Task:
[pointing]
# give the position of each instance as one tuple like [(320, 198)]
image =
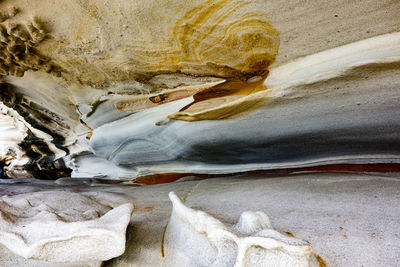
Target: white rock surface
[(63, 226), (195, 238), (12, 133), (350, 219)]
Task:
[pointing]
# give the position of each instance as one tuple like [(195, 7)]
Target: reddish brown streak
[(345, 168)]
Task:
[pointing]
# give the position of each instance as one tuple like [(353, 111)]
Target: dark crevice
[(2, 165), (42, 164)]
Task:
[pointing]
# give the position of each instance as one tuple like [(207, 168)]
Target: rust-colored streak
[(343, 168), (148, 208), (359, 168), (89, 136), (162, 241), (229, 88), (95, 105), (289, 234), (320, 260), (159, 178)]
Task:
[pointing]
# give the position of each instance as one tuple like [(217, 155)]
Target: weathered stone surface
[(349, 219), (195, 238), (120, 59), (62, 226), (121, 89), (332, 107)]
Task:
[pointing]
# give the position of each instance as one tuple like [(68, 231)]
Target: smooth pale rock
[(89, 165), (195, 238), (12, 133), (63, 226)]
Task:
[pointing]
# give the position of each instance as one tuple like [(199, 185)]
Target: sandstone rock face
[(219, 86), (62, 226), (303, 120), (117, 90)]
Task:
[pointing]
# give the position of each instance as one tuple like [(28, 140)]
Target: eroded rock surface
[(331, 67), (63, 226), (349, 219), (337, 106), (195, 238)]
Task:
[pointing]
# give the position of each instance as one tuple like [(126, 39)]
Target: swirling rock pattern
[(205, 38), (189, 48), (304, 120), (88, 64)]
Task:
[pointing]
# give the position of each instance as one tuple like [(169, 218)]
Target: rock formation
[(117, 65), (195, 238), (288, 130), (349, 219), (62, 226), (129, 92)]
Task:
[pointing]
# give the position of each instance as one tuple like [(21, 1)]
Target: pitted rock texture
[(17, 48)]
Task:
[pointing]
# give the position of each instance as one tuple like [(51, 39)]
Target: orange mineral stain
[(224, 100), (289, 234), (320, 260), (148, 208)]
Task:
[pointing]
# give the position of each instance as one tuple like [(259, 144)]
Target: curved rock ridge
[(195, 238), (13, 132), (333, 107), (308, 70), (63, 226)]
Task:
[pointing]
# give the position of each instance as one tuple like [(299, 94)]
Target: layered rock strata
[(143, 87)]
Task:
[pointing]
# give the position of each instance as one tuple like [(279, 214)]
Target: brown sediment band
[(382, 168)]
